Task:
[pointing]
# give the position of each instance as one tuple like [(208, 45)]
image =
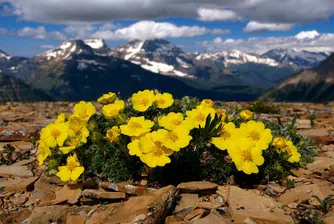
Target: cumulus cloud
[(217, 15), (40, 33), (307, 34), (256, 27), (151, 30), (264, 11), (79, 31), (316, 43)]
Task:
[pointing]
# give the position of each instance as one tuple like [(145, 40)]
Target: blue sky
[(29, 27)]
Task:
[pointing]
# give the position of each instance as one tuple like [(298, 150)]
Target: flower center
[(71, 165), (135, 125), (161, 101), (144, 101), (172, 136), (246, 155), (157, 149), (200, 117), (176, 122), (224, 134), (254, 135), (55, 133)]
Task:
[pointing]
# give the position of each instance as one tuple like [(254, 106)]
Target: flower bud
[(246, 115)]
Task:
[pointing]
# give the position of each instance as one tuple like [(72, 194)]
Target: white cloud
[(47, 46), (79, 31), (151, 30), (307, 34), (217, 15), (264, 11), (40, 33), (220, 31), (322, 42), (256, 27)]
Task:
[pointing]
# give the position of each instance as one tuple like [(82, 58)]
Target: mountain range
[(314, 85), (83, 70)]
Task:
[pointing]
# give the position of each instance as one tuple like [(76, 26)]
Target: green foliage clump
[(262, 107)]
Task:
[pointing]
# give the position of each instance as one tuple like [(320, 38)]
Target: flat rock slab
[(102, 194), (15, 171), (188, 201), (54, 214), (213, 217), (16, 185), (198, 187), (321, 164), (293, 197), (126, 188), (141, 209), (21, 145), (314, 132), (245, 205), (70, 193)]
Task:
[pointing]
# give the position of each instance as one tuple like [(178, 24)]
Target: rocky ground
[(28, 196)]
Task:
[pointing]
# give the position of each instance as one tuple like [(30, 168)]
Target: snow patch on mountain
[(84, 64), (236, 57), (182, 63), (3, 55), (134, 50), (95, 43)]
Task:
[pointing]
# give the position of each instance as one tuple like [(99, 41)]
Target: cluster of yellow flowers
[(154, 141), (67, 135)]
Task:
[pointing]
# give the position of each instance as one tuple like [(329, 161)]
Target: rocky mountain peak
[(4, 55), (66, 49), (99, 46)]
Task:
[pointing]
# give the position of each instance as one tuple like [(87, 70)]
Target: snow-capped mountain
[(99, 46), (316, 84), (65, 50), (235, 57), (8, 63), (295, 58), (4, 55), (158, 56)]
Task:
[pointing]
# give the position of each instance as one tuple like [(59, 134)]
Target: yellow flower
[(246, 156), (197, 117), (226, 138), (54, 134), (44, 152), (175, 139), (60, 119), (107, 98), (173, 120), (113, 134), (293, 152), (136, 126), (221, 113), (150, 150), (279, 142), (256, 132), (207, 103), (142, 100), (78, 128), (72, 170), (163, 100), (84, 111), (112, 110), (71, 144), (246, 115)]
